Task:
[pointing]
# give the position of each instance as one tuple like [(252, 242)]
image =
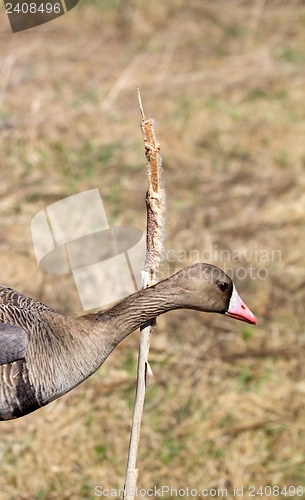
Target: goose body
[(43, 354)]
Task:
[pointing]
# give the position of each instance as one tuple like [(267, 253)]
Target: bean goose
[(44, 354)]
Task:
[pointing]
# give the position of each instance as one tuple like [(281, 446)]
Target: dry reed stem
[(154, 247), (255, 19), (122, 81), (5, 75)]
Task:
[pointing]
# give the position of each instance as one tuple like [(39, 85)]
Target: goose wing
[(17, 315), (12, 343)]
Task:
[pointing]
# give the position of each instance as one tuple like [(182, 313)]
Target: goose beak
[(237, 309)]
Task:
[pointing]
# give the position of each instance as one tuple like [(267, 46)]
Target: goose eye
[(223, 286)]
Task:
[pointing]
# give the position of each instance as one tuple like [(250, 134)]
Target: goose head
[(207, 288)]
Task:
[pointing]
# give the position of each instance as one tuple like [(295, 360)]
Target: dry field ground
[(225, 82)]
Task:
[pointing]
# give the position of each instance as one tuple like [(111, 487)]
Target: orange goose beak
[(237, 309)]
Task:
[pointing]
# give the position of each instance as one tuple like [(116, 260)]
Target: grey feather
[(13, 342)]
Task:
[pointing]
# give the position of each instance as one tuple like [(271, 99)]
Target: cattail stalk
[(155, 206)]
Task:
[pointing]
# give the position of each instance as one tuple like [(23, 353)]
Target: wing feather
[(13, 342), (17, 315)]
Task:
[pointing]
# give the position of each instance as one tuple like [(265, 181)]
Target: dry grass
[(226, 82)]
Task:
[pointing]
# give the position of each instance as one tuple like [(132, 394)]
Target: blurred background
[(225, 83)]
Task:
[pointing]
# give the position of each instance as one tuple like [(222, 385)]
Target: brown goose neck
[(136, 309)]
